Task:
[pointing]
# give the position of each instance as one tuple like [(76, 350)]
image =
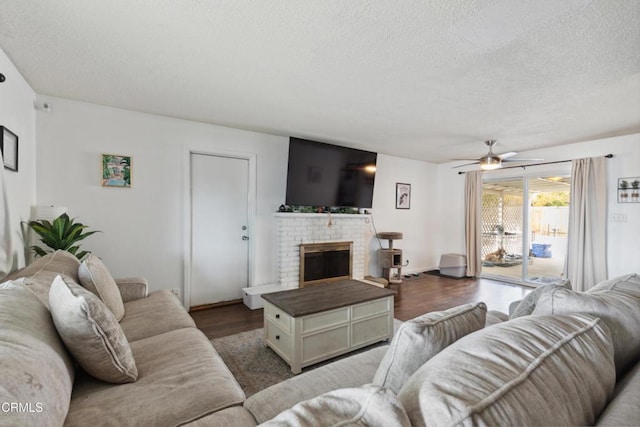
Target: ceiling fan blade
[(515, 159), (506, 155), (466, 164)]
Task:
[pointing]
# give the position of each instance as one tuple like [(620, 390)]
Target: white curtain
[(473, 222), (586, 262), (6, 251)]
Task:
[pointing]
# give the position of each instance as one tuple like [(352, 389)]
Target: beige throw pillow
[(419, 339), (94, 276), (364, 406), (618, 307), (529, 371), (91, 333)]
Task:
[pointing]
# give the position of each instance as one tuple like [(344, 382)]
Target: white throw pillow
[(367, 406), (12, 284), (91, 333), (95, 276), (419, 339)]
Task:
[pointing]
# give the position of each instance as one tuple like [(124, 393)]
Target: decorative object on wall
[(403, 196), (116, 171), (9, 148), (629, 190)]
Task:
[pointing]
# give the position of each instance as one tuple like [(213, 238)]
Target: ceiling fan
[(491, 161)]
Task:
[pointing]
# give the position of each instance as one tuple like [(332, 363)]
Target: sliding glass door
[(524, 224)]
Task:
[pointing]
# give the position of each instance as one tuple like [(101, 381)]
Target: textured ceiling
[(420, 79)]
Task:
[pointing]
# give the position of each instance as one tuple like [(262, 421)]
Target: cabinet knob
[(277, 337), (277, 316)]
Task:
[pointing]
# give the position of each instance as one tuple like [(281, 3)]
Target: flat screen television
[(327, 175)]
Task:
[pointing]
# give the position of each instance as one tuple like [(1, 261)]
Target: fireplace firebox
[(325, 262)]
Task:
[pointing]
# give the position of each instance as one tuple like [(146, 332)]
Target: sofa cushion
[(95, 276), (419, 339), (368, 405), (91, 333), (39, 275), (618, 307), (156, 314), (236, 416), (60, 262), (623, 409), (181, 379), (352, 371), (628, 282), (35, 368), (526, 306), (533, 370)]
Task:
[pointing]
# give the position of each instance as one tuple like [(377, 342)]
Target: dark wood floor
[(416, 296)]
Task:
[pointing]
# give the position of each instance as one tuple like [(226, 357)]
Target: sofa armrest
[(132, 288), (494, 317)]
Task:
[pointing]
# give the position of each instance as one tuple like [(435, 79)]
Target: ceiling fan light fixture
[(489, 163)]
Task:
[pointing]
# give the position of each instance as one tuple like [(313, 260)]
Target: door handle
[(245, 237)]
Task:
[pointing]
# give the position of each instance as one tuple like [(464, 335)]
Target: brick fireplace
[(331, 234)]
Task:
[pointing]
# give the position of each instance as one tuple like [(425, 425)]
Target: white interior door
[(219, 228)]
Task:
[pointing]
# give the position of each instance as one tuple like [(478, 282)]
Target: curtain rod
[(608, 156)]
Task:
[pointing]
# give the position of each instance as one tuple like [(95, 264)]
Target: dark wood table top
[(323, 297)]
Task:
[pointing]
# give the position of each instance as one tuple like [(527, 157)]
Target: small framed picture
[(403, 196), (9, 148), (116, 171), (629, 190)]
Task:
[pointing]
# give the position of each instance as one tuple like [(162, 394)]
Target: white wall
[(623, 245), (419, 224), (18, 114), (142, 227)]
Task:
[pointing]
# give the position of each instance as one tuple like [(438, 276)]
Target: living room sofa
[(555, 363), (180, 376)]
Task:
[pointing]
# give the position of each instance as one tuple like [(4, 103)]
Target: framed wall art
[(629, 190), (116, 171), (403, 196), (9, 148)]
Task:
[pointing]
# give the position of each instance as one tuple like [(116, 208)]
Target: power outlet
[(618, 217), (176, 292)]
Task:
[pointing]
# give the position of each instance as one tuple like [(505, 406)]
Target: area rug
[(257, 367)]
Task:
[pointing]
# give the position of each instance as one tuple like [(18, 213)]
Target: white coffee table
[(312, 324)]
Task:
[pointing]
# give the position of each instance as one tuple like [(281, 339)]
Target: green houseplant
[(63, 233)]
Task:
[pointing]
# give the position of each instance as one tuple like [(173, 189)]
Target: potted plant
[(63, 233)]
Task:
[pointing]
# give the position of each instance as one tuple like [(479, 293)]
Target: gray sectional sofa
[(569, 358)]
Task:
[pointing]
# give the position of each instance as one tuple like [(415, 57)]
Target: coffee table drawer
[(325, 320), (370, 330), (278, 317), (324, 344), (371, 308), (280, 341)]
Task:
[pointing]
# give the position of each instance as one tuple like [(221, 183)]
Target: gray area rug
[(257, 367)]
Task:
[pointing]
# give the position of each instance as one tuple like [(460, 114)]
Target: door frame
[(187, 151)]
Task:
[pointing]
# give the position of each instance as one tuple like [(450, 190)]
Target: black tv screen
[(328, 175)]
